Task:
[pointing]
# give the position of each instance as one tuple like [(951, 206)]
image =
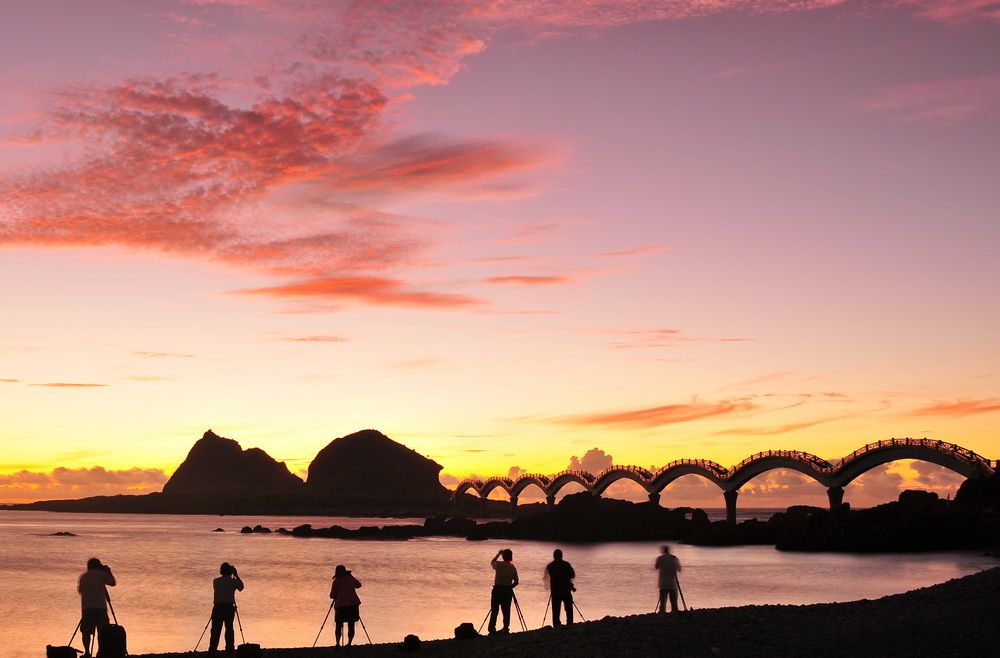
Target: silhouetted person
[(504, 582), (93, 588), (224, 607), (346, 604), (669, 566), (560, 575)]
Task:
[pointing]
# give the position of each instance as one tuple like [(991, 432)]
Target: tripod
[(242, 637), (681, 592), (517, 607), (324, 623), (203, 632)]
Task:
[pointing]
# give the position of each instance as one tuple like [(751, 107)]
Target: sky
[(515, 237)]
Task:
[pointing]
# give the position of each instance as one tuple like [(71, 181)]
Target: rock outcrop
[(219, 465), (368, 464)]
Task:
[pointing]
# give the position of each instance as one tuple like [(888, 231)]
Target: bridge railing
[(643, 473), (707, 464), (958, 452), (798, 455), (590, 478)]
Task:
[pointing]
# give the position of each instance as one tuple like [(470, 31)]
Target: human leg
[(568, 603), (350, 633), (494, 609), (557, 602), (91, 623), (339, 632), (673, 600), (507, 596), (661, 606)]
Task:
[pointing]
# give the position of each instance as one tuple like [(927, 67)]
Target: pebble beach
[(955, 618)]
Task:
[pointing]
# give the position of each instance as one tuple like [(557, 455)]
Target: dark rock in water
[(256, 529), (219, 465), (63, 533), (218, 530), (368, 464)]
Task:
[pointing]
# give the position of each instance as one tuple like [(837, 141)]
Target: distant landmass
[(361, 474)]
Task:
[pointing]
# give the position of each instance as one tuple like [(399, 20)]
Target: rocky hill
[(218, 465), (370, 465), (362, 474)]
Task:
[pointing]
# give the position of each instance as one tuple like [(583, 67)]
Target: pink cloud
[(548, 14), (647, 417), (944, 102), (957, 11), (69, 385), (27, 486)]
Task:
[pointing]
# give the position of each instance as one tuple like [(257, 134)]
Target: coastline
[(955, 618)]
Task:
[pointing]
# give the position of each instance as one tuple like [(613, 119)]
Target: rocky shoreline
[(956, 618)]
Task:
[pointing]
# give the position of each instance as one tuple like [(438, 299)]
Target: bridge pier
[(731, 497), (654, 497), (836, 496), (513, 507), (550, 502)]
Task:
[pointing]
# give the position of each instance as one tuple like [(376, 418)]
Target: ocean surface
[(165, 566)]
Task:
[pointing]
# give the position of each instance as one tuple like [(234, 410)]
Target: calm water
[(165, 565)]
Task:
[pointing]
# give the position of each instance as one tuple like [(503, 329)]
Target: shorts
[(350, 613), (93, 619)]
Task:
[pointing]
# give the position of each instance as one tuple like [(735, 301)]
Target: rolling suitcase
[(111, 642)]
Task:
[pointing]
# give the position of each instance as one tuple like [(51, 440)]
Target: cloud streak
[(648, 417)]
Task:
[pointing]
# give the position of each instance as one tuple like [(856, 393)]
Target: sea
[(165, 564)]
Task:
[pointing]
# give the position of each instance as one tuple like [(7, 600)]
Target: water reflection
[(165, 566)]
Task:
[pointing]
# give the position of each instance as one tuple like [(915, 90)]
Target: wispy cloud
[(69, 385), (162, 355), (370, 290), (958, 408), (957, 11), (525, 280), (943, 102), (311, 339), (632, 253), (647, 417)]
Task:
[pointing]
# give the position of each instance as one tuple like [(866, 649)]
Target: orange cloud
[(959, 408), (647, 417), (68, 385), (371, 290)]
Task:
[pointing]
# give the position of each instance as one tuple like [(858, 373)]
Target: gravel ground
[(957, 618)]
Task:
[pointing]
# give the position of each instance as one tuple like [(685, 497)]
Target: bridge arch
[(525, 481), (711, 471), (808, 464), (609, 476), (489, 485), (954, 457)]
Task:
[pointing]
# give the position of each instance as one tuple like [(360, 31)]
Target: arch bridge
[(729, 480)]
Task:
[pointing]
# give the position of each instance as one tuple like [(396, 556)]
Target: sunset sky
[(505, 234)]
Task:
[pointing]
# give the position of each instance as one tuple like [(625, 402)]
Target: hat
[(341, 570)]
